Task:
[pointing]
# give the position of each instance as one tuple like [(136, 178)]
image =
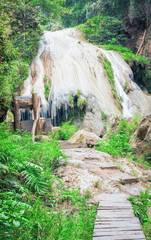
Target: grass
[(141, 205), (34, 204)]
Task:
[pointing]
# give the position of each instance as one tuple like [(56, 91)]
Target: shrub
[(117, 143), (141, 204), (65, 132)]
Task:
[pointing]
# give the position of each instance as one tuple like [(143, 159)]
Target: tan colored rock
[(54, 129), (40, 138), (46, 137), (84, 137), (141, 141)]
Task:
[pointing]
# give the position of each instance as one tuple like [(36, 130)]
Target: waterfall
[(73, 65), (126, 102)]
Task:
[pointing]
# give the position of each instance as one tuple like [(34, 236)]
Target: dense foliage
[(130, 11), (103, 30), (21, 26), (34, 204)]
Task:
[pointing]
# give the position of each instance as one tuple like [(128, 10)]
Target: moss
[(104, 116), (109, 72), (47, 86), (127, 87), (47, 90), (127, 54)]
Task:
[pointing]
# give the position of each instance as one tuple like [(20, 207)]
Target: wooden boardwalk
[(115, 219)]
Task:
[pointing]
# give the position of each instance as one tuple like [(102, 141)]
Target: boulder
[(141, 140), (43, 137), (55, 129), (84, 137)]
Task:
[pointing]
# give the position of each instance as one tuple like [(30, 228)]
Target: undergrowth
[(34, 203), (141, 205), (116, 141), (65, 132)]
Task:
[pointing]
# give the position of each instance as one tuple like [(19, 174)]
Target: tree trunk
[(16, 113), (142, 43), (36, 108)]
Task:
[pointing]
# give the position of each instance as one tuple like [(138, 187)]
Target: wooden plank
[(115, 206), (119, 233), (120, 238), (114, 214), (116, 224), (121, 227), (115, 230)]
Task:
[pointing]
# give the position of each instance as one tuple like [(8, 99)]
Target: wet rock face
[(66, 66), (141, 141)]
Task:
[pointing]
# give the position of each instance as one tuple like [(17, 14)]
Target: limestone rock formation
[(141, 141), (84, 137), (68, 66)]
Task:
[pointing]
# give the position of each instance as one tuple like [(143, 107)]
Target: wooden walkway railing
[(115, 219)]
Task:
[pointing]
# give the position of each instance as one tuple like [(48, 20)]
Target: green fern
[(33, 177)]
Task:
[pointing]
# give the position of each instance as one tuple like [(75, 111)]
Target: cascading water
[(70, 65)]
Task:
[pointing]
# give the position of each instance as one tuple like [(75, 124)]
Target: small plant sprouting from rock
[(71, 100), (97, 184), (47, 86), (127, 88), (47, 90), (79, 103), (82, 103), (78, 93), (87, 194), (104, 116)]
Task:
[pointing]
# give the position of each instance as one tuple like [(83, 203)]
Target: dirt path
[(97, 172)]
